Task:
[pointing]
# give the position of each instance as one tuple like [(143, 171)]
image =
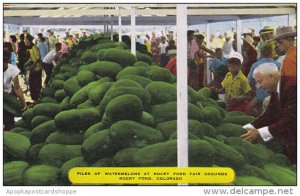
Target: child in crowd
[(218, 67), (235, 86)]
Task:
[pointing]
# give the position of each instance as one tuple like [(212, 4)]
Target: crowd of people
[(261, 81), (217, 57), (25, 59)]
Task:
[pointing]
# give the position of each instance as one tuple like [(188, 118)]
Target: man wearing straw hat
[(267, 38), (267, 33), (280, 118), (248, 32), (284, 38), (249, 54)]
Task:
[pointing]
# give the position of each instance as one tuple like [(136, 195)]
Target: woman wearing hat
[(249, 54), (34, 65)]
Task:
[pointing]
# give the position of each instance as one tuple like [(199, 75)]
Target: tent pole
[(208, 73), (175, 35), (111, 29), (21, 30), (120, 26), (31, 31), (291, 19), (182, 127), (133, 47), (6, 32)]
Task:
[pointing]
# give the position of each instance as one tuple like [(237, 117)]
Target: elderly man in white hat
[(280, 118)]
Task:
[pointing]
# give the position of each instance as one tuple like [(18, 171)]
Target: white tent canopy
[(146, 14)]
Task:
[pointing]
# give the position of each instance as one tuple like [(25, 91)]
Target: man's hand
[(251, 135)]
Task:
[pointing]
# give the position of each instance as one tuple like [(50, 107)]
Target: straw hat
[(237, 56), (249, 40), (248, 31), (266, 29), (283, 32)]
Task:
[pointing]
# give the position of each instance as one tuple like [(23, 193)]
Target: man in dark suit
[(280, 118)]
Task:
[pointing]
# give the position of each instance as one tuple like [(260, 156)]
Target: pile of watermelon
[(105, 107)]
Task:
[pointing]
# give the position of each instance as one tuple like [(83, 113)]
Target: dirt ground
[(25, 88)]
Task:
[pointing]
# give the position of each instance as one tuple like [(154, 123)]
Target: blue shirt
[(43, 48), (13, 59), (216, 63), (260, 93)]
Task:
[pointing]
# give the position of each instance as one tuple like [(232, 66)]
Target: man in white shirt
[(48, 61), (11, 86)]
